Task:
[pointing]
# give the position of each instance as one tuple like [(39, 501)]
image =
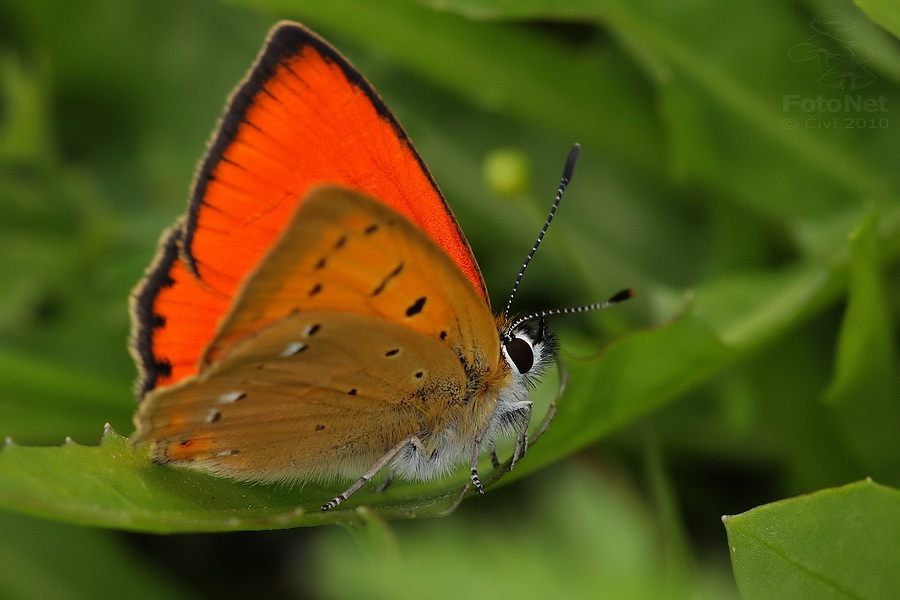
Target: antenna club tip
[(571, 160), (623, 295)]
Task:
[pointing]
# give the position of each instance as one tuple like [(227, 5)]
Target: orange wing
[(302, 116), (373, 335)]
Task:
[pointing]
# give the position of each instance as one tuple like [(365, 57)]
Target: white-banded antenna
[(568, 171), (614, 299)]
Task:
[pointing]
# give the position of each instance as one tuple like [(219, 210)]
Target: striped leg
[(413, 441)]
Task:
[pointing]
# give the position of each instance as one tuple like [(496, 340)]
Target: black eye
[(520, 353)]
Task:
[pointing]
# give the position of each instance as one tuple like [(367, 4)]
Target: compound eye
[(520, 353)]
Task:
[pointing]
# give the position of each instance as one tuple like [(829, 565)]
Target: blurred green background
[(725, 176)]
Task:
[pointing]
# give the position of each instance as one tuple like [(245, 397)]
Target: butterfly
[(317, 313)]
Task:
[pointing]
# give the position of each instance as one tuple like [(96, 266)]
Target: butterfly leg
[(495, 460), (387, 483), (522, 435), (551, 410), (523, 412), (473, 466), (373, 470), (545, 424)]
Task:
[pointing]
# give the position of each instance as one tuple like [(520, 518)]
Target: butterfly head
[(528, 348)]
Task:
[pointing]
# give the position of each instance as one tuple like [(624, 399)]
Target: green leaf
[(836, 543), (114, 485)]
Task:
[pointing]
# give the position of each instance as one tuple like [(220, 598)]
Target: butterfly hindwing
[(316, 394)]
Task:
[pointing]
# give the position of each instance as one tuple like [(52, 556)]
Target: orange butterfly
[(317, 313)]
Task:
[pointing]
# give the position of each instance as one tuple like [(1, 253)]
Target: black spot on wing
[(416, 307), (387, 279)]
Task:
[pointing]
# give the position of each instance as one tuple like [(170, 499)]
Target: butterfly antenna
[(568, 170), (614, 299)]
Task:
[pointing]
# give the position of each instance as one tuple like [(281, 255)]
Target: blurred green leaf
[(617, 552), (884, 12), (526, 75), (42, 402), (865, 391), (836, 543), (25, 132), (41, 559), (734, 121)]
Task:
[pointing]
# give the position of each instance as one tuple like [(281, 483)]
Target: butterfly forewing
[(303, 116)]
